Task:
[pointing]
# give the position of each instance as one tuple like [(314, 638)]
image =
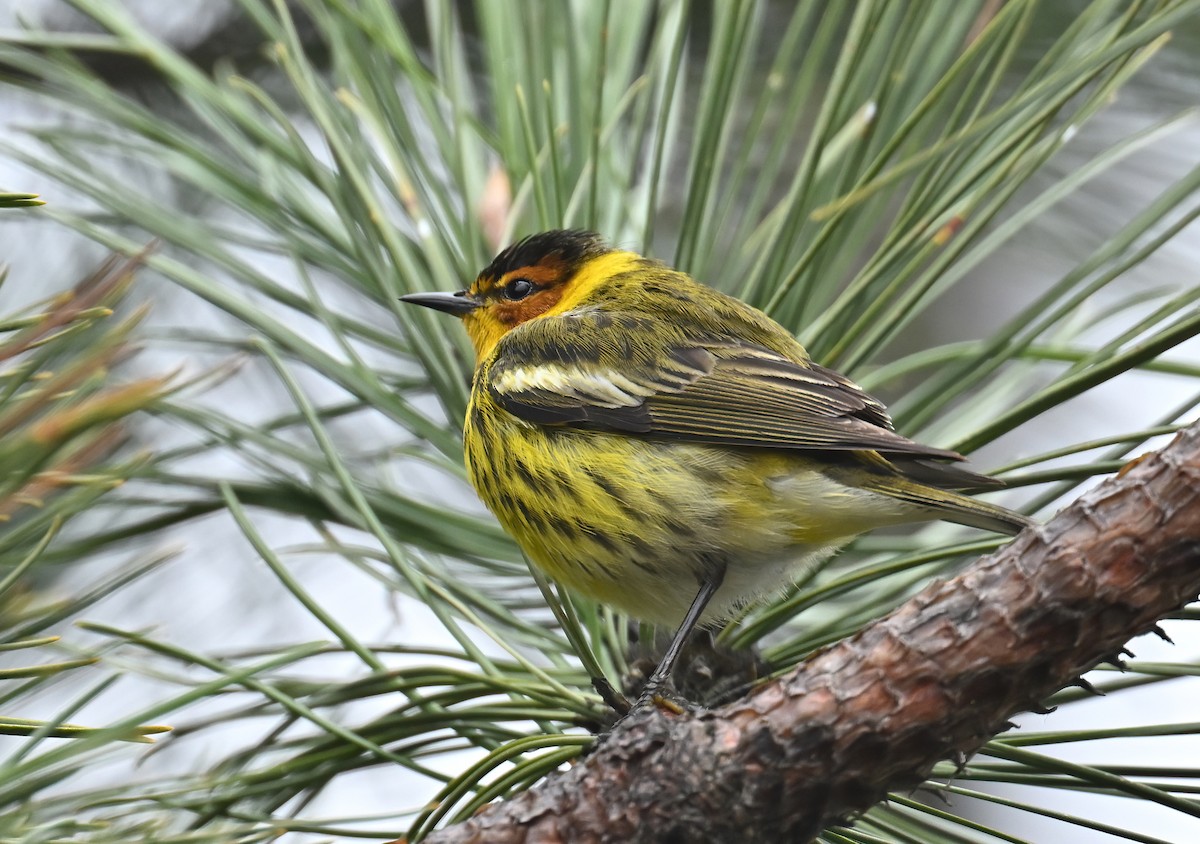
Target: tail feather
[(951, 506), (943, 475), (931, 486)]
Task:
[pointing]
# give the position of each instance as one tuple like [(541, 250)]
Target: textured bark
[(871, 714)]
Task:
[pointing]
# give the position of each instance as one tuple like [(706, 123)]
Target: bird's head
[(542, 275)]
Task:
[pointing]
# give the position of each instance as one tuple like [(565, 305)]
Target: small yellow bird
[(667, 449)]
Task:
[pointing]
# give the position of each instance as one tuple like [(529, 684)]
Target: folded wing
[(574, 371)]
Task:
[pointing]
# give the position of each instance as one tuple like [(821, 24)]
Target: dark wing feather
[(715, 390)]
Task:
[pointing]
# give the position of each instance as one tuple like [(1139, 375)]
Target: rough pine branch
[(933, 680)]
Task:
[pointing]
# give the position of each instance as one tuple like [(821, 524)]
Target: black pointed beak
[(459, 304)]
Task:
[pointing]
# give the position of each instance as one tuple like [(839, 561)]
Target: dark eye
[(518, 288)]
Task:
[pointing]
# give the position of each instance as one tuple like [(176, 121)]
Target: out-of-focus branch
[(934, 679)]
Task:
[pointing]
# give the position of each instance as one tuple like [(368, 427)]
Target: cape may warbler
[(669, 450)]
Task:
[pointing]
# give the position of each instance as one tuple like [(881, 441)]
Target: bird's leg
[(708, 588)]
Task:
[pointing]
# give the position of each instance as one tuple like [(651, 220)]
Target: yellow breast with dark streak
[(633, 522)]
